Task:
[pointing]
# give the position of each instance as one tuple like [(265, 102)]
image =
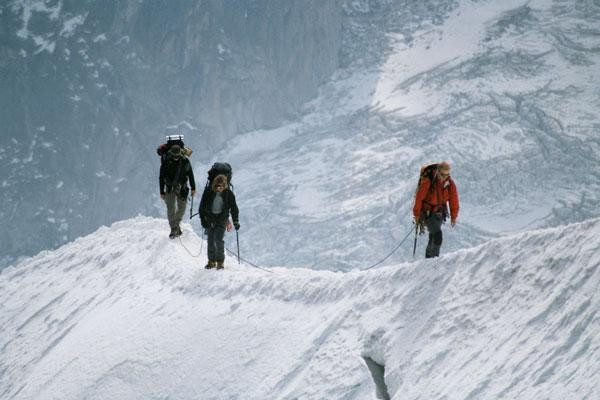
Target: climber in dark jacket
[(216, 204), (174, 174)]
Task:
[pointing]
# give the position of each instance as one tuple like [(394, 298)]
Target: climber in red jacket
[(436, 189)]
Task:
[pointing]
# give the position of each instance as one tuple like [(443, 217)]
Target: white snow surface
[(507, 92), (126, 313)]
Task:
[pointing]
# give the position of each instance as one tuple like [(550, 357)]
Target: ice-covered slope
[(126, 313), (507, 91)]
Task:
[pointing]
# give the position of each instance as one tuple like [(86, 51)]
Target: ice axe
[(416, 235), (237, 237), (192, 207), (417, 226)]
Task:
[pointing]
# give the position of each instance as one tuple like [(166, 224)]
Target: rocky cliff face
[(506, 91), (88, 89)]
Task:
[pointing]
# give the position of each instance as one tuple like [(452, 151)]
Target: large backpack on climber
[(427, 171), (163, 149), (219, 168)]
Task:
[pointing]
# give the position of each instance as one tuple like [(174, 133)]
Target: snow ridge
[(127, 313)]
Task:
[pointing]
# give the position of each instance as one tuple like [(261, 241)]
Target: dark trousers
[(434, 227), (215, 243)]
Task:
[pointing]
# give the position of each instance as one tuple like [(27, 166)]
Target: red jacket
[(444, 191)]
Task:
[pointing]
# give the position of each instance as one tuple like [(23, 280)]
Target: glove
[(236, 225), (419, 225)]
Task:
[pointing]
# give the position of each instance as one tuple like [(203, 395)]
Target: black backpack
[(219, 168), (163, 149)]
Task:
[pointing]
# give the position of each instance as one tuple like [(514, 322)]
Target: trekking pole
[(192, 207), (237, 237), (202, 240), (416, 234)]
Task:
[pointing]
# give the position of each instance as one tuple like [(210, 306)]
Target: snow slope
[(126, 313), (507, 91)]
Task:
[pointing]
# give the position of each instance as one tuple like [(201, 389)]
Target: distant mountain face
[(88, 89), (344, 100), (508, 92)]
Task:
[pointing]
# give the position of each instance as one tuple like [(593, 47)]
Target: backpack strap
[(176, 177)]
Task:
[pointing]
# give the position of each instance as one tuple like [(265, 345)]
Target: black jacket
[(168, 173), (229, 204)]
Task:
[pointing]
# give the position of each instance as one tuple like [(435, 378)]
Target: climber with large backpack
[(435, 190), (218, 200), (175, 171), (172, 140)]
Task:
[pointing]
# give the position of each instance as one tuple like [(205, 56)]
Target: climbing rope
[(365, 269), (229, 251), (393, 251), (248, 262), (267, 270), (188, 251)]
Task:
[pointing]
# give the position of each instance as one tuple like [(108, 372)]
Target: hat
[(175, 151)]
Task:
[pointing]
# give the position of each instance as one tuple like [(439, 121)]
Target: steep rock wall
[(87, 89)]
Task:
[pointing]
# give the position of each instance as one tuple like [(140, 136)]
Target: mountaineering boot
[(173, 233), (220, 264), (210, 265), (178, 231)]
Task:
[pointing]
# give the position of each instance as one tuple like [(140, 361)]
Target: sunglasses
[(444, 174)]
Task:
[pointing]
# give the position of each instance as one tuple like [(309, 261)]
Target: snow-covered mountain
[(326, 110), (126, 313), (89, 89), (507, 91)]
